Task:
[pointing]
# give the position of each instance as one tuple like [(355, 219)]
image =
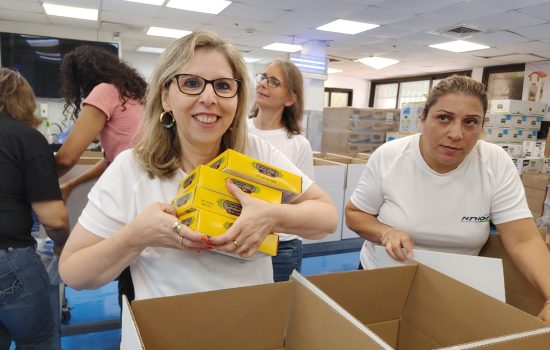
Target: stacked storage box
[(510, 123), (349, 130), (535, 185)]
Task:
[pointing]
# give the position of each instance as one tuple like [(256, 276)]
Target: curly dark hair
[(87, 66)]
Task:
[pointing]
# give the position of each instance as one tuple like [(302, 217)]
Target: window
[(385, 95), (338, 97), (504, 82), (392, 93), (413, 91)]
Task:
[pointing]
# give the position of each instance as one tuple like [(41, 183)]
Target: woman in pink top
[(112, 95)]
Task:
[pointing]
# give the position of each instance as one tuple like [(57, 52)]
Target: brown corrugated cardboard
[(535, 180), (519, 292), (415, 308)]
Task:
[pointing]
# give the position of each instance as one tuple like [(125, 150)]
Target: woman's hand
[(251, 227), (66, 190), (157, 226), (398, 244)]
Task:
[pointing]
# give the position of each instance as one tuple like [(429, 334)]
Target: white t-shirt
[(125, 190), (297, 149), (442, 212)]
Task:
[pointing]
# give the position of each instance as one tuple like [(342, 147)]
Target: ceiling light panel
[(346, 27), (71, 12), (283, 47), (378, 62), (148, 2), (205, 6), (459, 46), (167, 32), (149, 49), (251, 59), (334, 70)]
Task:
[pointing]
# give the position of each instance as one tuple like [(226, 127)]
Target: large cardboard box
[(284, 315), (416, 308), (519, 292)]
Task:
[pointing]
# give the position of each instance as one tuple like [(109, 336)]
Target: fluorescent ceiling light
[(149, 2), (347, 27), (206, 6), (283, 47), (167, 32), (378, 62), (251, 59), (70, 11), (150, 49), (459, 46), (334, 70)]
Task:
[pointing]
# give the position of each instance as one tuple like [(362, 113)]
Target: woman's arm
[(89, 124), (312, 215), (53, 216), (523, 243), (398, 244), (89, 261), (93, 173)]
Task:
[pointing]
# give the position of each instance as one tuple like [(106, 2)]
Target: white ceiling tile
[(499, 39), (335, 9), (416, 6), (424, 23), (20, 16), (465, 11), (512, 4), (22, 6), (490, 52), (377, 15), (280, 4), (519, 58), (539, 11), (508, 20), (537, 32), (259, 13), (534, 47)]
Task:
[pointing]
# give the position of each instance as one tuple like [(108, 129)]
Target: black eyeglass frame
[(271, 81), (206, 82)]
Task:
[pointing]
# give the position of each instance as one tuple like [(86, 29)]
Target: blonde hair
[(292, 115), (159, 151), (17, 98)]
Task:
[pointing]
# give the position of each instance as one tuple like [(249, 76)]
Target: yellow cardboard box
[(197, 197), (238, 164), (215, 180), (212, 224)]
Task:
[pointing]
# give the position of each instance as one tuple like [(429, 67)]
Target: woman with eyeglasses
[(196, 109), (276, 117)]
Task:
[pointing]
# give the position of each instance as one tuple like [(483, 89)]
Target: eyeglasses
[(191, 84), (271, 81)]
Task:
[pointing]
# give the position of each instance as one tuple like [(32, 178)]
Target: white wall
[(360, 87)]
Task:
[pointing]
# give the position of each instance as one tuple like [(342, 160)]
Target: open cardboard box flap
[(414, 307), (285, 315), (519, 292)]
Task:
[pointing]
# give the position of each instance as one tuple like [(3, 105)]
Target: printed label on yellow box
[(249, 168), (197, 197), (212, 224), (215, 180)]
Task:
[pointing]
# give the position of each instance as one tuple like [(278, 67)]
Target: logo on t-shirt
[(475, 219)]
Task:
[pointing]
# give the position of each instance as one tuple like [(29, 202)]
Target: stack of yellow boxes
[(205, 205)]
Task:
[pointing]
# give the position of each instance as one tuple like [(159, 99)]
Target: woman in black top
[(28, 180)]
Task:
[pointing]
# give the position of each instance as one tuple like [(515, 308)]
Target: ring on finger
[(236, 243), (176, 227), (181, 240)]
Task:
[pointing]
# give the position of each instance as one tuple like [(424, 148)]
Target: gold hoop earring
[(167, 120)]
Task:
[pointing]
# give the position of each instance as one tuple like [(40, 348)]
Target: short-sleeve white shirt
[(125, 190), (297, 148), (442, 212)]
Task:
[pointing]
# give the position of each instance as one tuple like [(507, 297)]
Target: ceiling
[(516, 31)]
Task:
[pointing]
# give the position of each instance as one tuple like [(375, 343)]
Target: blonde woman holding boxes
[(195, 110), (438, 190), (276, 117)]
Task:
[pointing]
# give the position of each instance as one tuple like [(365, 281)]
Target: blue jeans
[(288, 258), (25, 311)]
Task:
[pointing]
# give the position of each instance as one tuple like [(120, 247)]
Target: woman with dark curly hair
[(111, 94)]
